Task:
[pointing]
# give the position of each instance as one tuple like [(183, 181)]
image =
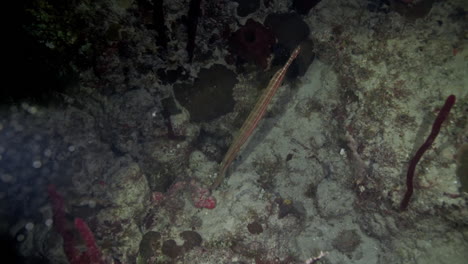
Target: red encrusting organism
[(93, 254), (202, 198), (443, 113)]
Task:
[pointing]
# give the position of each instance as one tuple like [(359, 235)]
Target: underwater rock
[(208, 98), (192, 239), (413, 11), (382, 6), (129, 112), (192, 23), (171, 249), (255, 228), (171, 76), (125, 4), (247, 7), (290, 29), (462, 168), (333, 201), (287, 207), (127, 186), (253, 42), (301, 64), (303, 6), (150, 245), (347, 241), (169, 108)]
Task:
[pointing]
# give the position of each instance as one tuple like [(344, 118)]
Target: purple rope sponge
[(424, 147)]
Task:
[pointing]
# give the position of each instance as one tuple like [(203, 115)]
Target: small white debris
[(20, 238), (362, 188), (49, 222), (317, 258), (37, 164), (92, 204), (29, 226), (71, 148), (33, 110), (342, 152), (50, 45)]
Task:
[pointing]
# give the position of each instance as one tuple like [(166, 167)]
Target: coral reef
[(107, 107)]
